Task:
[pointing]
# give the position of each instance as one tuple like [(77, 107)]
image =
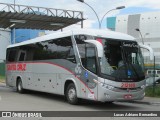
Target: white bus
[(98, 65)]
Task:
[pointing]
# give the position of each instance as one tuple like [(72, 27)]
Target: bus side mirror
[(98, 45), (151, 52)]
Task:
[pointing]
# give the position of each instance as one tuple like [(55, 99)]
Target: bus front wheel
[(71, 94), (19, 86)]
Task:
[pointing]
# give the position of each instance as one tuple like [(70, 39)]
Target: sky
[(100, 6)]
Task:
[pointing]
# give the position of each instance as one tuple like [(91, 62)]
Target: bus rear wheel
[(71, 94), (19, 86)]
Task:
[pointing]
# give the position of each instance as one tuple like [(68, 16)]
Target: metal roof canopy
[(31, 17)]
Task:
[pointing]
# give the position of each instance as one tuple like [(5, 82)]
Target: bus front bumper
[(106, 95)]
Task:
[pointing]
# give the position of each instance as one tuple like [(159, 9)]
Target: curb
[(155, 103), (141, 102), (145, 102), (2, 84)]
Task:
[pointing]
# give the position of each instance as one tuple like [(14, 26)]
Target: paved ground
[(10, 100), (148, 101)]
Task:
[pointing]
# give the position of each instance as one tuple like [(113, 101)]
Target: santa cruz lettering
[(16, 67)]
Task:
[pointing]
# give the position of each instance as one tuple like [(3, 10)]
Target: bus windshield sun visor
[(98, 45)]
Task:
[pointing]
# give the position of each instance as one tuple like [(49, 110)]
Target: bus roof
[(105, 33)]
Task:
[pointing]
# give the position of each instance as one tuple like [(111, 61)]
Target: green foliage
[(150, 92)]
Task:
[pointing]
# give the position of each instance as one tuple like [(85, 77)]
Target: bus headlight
[(107, 86), (143, 86)]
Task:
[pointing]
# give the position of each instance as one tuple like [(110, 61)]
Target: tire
[(71, 94), (109, 102), (20, 86)]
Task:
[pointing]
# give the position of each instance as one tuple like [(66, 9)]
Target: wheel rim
[(72, 94)]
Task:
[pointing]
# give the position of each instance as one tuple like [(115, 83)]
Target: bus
[(98, 65)]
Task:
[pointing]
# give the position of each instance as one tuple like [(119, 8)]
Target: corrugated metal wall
[(19, 35)]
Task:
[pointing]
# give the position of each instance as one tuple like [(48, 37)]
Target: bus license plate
[(128, 96), (128, 85)]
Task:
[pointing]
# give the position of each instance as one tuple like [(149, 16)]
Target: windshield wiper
[(125, 57)]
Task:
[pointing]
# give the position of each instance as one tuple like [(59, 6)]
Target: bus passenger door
[(91, 73), (88, 55)]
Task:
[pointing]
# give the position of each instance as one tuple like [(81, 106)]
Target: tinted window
[(22, 56), (11, 55), (87, 53), (83, 37), (91, 59), (60, 48), (55, 49), (82, 52)]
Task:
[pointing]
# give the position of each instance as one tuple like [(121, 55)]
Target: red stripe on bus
[(60, 67), (71, 73)]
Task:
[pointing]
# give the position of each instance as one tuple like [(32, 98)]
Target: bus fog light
[(143, 86)]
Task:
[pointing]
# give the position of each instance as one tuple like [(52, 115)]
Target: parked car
[(150, 80)]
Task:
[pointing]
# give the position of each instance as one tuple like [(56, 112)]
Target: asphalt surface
[(10, 100)]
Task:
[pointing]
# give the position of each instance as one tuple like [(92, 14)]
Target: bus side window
[(65, 49), (91, 59), (71, 55), (11, 55), (22, 55)]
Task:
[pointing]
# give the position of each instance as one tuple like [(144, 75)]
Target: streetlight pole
[(14, 4), (82, 1), (138, 30), (100, 22), (117, 8)]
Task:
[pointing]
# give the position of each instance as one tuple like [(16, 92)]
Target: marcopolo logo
[(78, 69)]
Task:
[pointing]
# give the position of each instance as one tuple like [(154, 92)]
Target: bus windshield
[(122, 60)]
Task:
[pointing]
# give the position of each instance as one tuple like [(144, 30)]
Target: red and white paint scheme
[(99, 65)]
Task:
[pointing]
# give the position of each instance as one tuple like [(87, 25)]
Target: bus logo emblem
[(129, 73), (78, 69)]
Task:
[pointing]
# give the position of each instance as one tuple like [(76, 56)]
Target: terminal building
[(11, 36), (5, 40), (148, 31), (20, 22)]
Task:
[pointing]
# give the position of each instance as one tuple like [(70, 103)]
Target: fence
[(153, 66)]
